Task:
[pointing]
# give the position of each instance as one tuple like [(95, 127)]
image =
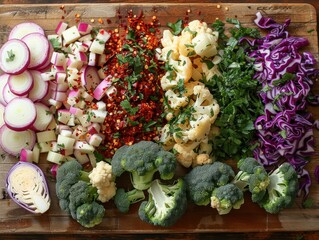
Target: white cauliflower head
[(185, 153), (103, 179), (175, 101), (202, 159), (205, 45)]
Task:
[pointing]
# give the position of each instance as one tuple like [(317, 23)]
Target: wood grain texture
[(198, 220)]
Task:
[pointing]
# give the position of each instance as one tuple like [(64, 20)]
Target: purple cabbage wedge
[(285, 131)]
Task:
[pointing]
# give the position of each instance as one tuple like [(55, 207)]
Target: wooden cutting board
[(250, 218)]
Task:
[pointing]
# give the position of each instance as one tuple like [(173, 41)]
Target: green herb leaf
[(125, 104), (11, 56), (176, 27)]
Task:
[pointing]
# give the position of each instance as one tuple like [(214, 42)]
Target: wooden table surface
[(224, 236)]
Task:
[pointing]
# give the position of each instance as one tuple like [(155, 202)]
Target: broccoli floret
[(226, 197), (64, 204), (123, 199), (80, 193), (282, 189), (202, 180), (252, 176), (67, 167), (90, 214), (166, 203), (142, 160), (64, 185)]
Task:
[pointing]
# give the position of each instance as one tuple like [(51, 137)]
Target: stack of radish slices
[(22, 59)]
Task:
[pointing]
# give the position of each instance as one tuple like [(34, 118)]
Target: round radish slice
[(47, 64), (21, 84), (40, 88), (44, 117), (3, 81), (14, 56), (39, 47), (20, 114), (13, 141), (1, 115), (8, 95), (23, 29)]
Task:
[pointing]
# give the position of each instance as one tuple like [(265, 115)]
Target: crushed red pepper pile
[(134, 109)]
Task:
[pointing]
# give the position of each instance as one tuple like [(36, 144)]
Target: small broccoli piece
[(90, 214), (67, 167), (63, 186), (166, 203), (202, 180), (252, 176), (123, 199), (64, 204), (282, 189), (226, 197), (80, 193), (142, 160), (258, 183)]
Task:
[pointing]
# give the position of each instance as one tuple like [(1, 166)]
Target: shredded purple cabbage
[(285, 131)]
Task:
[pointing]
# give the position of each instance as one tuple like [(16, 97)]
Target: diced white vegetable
[(98, 44), (76, 111), (65, 142), (61, 27), (98, 116), (55, 157), (71, 122), (44, 147), (83, 147), (92, 159), (46, 136), (48, 76), (52, 125), (74, 62), (101, 106), (55, 103), (36, 153), (84, 28), (58, 59), (70, 35), (81, 157), (26, 155), (63, 116), (85, 120), (103, 72), (66, 133), (92, 59), (95, 140), (87, 97), (56, 39), (94, 128), (60, 77), (86, 38), (110, 91), (79, 132)]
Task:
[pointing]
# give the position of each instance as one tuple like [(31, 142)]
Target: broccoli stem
[(84, 176), (142, 182), (135, 196)]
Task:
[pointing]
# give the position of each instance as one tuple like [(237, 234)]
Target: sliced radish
[(21, 84), (14, 56), (44, 117), (8, 95), (46, 66), (84, 28), (100, 90), (13, 141), (3, 81), (39, 47), (90, 78), (62, 26), (40, 88), (26, 155), (20, 114), (1, 115), (23, 29)]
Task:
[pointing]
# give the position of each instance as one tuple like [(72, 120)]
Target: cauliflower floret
[(209, 73), (197, 27), (174, 100), (189, 87), (205, 104), (185, 153), (205, 45), (185, 46), (103, 179), (202, 159), (199, 128), (182, 67), (170, 46), (167, 139), (167, 81)]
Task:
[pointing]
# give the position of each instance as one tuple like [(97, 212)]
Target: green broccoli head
[(80, 193), (202, 180), (227, 197), (166, 203), (142, 160), (282, 189), (64, 204), (71, 166), (63, 186), (90, 214), (247, 168), (258, 183), (123, 200)]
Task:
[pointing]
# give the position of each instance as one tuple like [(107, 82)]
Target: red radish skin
[(8, 95), (21, 84), (40, 88), (23, 29), (39, 47), (13, 141), (100, 90), (90, 78), (20, 114), (26, 155), (3, 81), (14, 57), (62, 26)]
